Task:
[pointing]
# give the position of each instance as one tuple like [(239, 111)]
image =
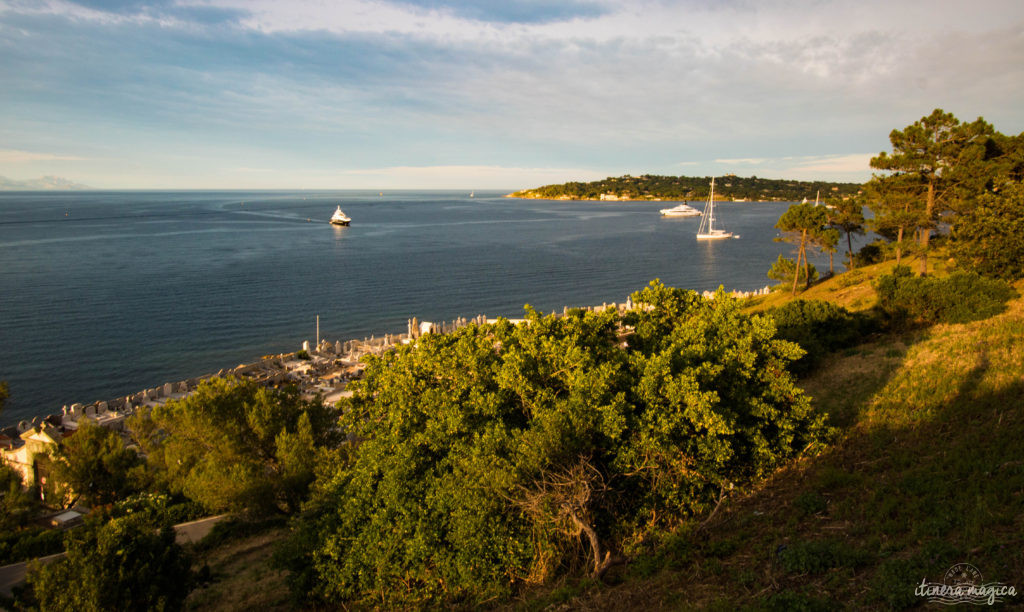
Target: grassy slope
[(241, 576), (927, 471)]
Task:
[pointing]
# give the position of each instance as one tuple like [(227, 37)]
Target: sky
[(505, 94)]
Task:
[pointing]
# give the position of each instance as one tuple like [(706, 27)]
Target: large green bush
[(989, 237), (233, 445), (959, 298), (819, 328), (870, 254), (504, 455), (30, 543), (125, 564)]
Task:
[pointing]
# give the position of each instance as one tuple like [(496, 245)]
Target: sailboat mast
[(711, 207)]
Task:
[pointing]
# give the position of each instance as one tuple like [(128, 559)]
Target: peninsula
[(655, 188), (45, 183)]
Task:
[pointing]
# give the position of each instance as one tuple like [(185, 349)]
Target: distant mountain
[(46, 183)]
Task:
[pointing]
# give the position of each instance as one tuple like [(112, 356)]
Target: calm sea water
[(106, 293)]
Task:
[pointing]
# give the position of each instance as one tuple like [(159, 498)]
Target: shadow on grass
[(905, 503), (859, 527), (847, 380)]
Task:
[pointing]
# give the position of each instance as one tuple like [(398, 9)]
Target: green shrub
[(783, 269), (809, 503), (987, 238), (819, 328), (671, 550), (895, 581), (869, 254), (125, 564), (819, 556), (184, 512), (959, 298), (29, 544), (788, 601)]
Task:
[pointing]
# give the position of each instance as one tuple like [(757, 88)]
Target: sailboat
[(707, 230), (340, 218)]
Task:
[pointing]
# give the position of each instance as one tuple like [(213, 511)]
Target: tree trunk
[(600, 565), (849, 248), (796, 268), (807, 267), (831, 269), (926, 231), (899, 245)]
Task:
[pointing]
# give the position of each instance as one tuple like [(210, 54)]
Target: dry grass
[(242, 577), (852, 290)]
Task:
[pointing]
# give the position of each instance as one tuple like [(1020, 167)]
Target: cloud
[(742, 160), (11, 156), (481, 177), (856, 162), (513, 11), (625, 86), (248, 170), (853, 167)]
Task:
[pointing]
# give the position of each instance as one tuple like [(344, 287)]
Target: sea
[(103, 294)]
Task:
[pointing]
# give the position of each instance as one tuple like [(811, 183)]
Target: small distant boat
[(707, 229), (682, 210), (472, 194), (340, 218)]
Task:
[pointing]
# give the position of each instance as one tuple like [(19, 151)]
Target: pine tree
[(848, 217), (801, 223), (933, 153)]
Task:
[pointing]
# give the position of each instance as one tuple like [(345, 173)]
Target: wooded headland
[(728, 187)]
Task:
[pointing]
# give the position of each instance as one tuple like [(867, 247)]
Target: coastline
[(615, 198), (324, 371)]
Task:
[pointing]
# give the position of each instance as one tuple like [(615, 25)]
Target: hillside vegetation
[(730, 187), (927, 472), (924, 471)]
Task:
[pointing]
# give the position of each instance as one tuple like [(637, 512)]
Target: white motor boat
[(682, 210), (340, 218)]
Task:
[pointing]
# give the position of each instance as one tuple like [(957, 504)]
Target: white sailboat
[(340, 218), (707, 229)]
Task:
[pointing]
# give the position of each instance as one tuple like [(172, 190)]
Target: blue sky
[(380, 94)]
